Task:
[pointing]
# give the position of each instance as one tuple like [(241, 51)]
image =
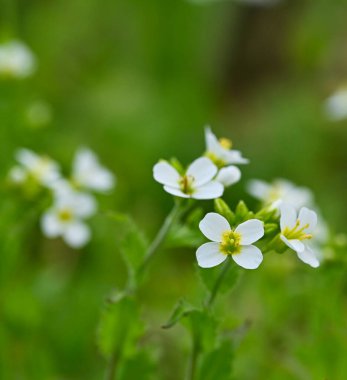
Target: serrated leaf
[(181, 310), (217, 364), (120, 326), (184, 236)]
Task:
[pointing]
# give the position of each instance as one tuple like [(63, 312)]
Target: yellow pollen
[(65, 215), (296, 232), (186, 184), (230, 244), (225, 143)]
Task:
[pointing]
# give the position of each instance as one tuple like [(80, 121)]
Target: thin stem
[(112, 368), (161, 235), (193, 360), (218, 284)]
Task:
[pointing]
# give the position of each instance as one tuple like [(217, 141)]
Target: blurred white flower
[(41, 169), (196, 183), (228, 176), (336, 105), (220, 152), (280, 190), (66, 217), (16, 60), (296, 231), (227, 242), (87, 172)]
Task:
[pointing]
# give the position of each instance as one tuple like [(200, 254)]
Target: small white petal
[(259, 189), (17, 174), (211, 190), (294, 244), (166, 174), (83, 205), (250, 257), (209, 255), (51, 225), (233, 156), (250, 231), (288, 216), (213, 225), (27, 158), (308, 217), (176, 192), (212, 143), (202, 170), (228, 176), (308, 257), (76, 234)]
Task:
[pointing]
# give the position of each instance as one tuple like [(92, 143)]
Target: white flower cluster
[(73, 201), (206, 177), (16, 60)]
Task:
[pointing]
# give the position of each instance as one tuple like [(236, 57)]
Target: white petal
[(50, 224), (84, 205), (250, 231), (233, 156), (176, 192), (77, 234), (212, 143), (288, 216), (17, 174), (166, 174), (308, 257), (259, 189), (250, 257), (213, 225), (228, 176), (308, 217), (211, 190), (202, 170), (27, 157), (295, 244), (209, 255)]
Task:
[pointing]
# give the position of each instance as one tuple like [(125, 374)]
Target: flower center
[(297, 232), (225, 143), (65, 215), (216, 160), (230, 244), (186, 184)]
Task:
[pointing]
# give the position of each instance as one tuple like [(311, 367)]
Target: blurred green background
[(136, 81)]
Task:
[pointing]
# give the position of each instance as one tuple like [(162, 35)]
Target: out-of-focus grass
[(136, 81)]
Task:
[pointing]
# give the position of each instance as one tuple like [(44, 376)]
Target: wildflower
[(280, 190), (296, 231), (41, 169), (228, 176), (16, 60), (196, 183), (89, 174), (220, 152), (236, 243), (66, 217), (336, 105)]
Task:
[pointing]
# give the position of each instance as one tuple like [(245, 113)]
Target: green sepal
[(177, 165), (223, 209)]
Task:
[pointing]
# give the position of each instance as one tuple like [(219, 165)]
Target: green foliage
[(222, 208), (139, 366), (181, 310), (217, 363)]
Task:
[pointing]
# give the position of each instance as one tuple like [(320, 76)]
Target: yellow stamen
[(225, 143), (230, 244), (296, 232), (65, 215)]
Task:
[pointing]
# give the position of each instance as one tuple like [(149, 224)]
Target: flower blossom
[(336, 105), (16, 60), (296, 231), (279, 191), (197, 182), (66, 216), (226, 241), (87, 172), (41, 169)]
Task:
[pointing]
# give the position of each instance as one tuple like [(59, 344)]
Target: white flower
[(195, 183), (228, 176), (336, 105), (65, 217), (16, 60), (220, 152), (42, 169), (227, 242), (296, 231), (280, 191), (88, 173)]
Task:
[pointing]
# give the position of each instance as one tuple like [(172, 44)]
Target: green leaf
[(184, 236), (181, 310), (217, 364), (209, 277), (120, 326), (139, 366)]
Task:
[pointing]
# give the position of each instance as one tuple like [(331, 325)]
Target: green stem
[(193, 360), (112, 368), (218, 284), (161, 235)]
